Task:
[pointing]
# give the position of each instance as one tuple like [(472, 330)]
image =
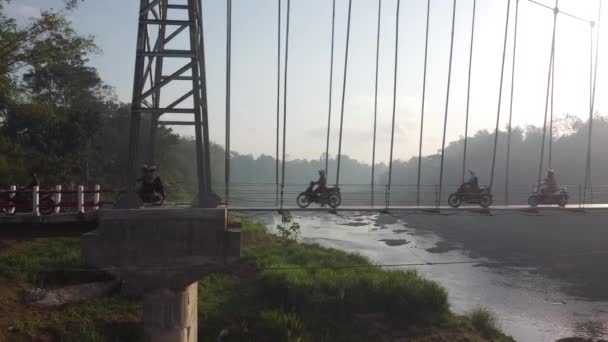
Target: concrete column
[(35, 200), (170, 315), (81, 199), (57, 196)]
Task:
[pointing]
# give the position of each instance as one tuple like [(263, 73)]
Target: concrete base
[(161, 248), (206, 200), (170, 315), (129, 200)]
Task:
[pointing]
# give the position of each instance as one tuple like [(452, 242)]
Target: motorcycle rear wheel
[(46, 206), (158, 199), (486, 201), (302, 200), (334, 200), (533, 201), (454, 200)]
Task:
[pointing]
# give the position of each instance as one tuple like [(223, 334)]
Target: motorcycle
[(466, 194), (21, 202), (152, 197), (559, 197), (331, 197)]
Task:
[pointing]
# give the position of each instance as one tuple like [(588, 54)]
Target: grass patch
[(485, 322)]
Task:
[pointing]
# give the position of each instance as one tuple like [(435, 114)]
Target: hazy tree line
[(59, 119)]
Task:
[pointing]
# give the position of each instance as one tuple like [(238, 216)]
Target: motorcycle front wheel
[(334, 200), (454, 201), (11, 209), (302, 200), (533, 201), (486, 201)]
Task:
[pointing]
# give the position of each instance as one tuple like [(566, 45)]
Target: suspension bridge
[(158, 28), (161, 23)]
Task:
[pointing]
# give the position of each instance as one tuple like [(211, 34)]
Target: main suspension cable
[(375, 101), (502, 74), (592, 103), (331, 77), (426, 52), (278, 99), (390, 165), (550, 154), (466, 121), (447, 104), (509, 128), (350, 3), (228, 86), (542, 149), (285, 100)]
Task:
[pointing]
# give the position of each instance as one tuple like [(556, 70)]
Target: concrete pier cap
[(162, 253)]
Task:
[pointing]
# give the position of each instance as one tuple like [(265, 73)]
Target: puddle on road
[(530, 307)]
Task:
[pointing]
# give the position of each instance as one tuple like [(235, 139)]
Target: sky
[(113, 23)]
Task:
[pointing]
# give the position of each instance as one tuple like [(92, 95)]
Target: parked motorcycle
[(21, 202), (466, 194), (331, 197), (559, 197)]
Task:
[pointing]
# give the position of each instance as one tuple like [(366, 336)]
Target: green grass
[(485, 322), (306, 290), (289, 292)]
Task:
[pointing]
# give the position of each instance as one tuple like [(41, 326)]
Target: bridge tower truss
[(170, 80)]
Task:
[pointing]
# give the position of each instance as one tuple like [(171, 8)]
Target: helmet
[(144, 167), (472, 172), (152, 168), (550, 173), (321, 172)]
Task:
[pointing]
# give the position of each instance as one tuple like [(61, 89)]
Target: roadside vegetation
[(281, 291)]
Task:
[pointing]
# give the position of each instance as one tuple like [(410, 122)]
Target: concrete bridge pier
[(171, 314), (161, 254)]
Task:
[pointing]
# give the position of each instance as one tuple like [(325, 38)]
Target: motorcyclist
[(150, 181), (321, 183), (34, 182), (550, 184), (472, 184)]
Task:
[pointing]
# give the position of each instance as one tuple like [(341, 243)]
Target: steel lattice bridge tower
[(161, 23)]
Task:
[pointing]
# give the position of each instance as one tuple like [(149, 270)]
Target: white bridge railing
[(56, 200)]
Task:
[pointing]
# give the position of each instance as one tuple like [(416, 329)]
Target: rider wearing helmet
[(550, 183), (321, 183)]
